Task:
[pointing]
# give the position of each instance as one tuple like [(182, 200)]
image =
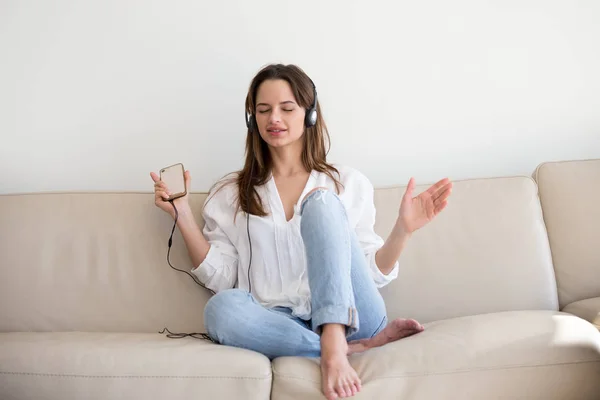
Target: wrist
[(400, 229), (183, 210)]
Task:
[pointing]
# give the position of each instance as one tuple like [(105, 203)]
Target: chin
[(278, 143), (281, 141)]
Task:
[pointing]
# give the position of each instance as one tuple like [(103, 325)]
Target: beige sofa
[(85, 289)]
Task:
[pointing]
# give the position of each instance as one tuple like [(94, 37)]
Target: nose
[(275, 116)]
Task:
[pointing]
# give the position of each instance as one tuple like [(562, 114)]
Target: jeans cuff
[(344, 315)]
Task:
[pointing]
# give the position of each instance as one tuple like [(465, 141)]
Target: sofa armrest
[(588, 309)]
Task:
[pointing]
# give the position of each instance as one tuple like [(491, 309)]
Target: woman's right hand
[(161, 194)]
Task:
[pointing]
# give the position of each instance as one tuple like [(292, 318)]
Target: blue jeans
[(342, 291)]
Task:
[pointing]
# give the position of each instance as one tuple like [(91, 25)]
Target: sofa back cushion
[(94, 262), (487, 251), (570, 198), (97, 261)]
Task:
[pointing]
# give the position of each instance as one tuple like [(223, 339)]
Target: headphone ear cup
[(311, 118), (250, 123)]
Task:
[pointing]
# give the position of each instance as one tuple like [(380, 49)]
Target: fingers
[(158, 184), (442, 194), (439, 185), (161, 186), (436, 190), (160, 195), (161, 191), (188, 180), (410, 188), (440, 206)]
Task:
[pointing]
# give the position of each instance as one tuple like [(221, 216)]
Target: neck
[(287, 161)]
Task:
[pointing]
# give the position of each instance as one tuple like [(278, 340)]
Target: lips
[(276, 131)]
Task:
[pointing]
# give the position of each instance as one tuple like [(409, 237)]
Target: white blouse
[(278, 273)]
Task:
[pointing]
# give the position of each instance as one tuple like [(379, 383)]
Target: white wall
[(95, 94)]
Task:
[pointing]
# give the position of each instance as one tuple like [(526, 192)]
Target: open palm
[(415, 212)]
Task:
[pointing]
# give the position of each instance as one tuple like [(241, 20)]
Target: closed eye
[(285, 109)]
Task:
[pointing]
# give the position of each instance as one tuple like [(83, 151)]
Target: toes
[(407, 324), (411, 324), (348, 389), (357, 384), (407, 333), (340, 389), (328, 390), (331, 394), (416, 324)]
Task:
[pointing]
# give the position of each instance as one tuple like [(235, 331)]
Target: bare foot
[(395, 330), (337, 375)]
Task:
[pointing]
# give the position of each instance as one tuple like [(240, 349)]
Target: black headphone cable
[(170, 335)]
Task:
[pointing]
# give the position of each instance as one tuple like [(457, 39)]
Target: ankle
[(333, 330), (333, 340)]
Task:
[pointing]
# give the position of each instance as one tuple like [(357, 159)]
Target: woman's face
[(279, 118)]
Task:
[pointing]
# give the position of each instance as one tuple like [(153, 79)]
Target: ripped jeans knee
[(320, 195)]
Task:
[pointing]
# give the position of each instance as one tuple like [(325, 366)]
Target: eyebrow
[(283, 102)]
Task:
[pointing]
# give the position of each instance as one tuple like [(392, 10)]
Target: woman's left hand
[(416, 212)]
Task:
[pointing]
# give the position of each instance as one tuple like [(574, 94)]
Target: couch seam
[(266, 377), (465, 180), (203, 193), (463, 371)]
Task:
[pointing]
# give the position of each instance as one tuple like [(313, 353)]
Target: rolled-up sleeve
[(370, 241), (218, 271)]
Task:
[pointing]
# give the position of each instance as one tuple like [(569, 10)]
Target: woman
[(288, 244)]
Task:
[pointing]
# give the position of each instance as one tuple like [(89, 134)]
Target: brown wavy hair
[(258, 162)]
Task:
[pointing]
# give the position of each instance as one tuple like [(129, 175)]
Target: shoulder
[(356, 193), (354, 181), (223, 196)]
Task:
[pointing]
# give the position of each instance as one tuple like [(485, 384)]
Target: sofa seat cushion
[(75, 365), (508, 355), (588, 309)]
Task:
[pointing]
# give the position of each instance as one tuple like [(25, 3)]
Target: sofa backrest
[(570, 198), (94, 262), (97, 261), (488, 251)]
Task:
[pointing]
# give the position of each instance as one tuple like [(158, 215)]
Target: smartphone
[(174, 177)]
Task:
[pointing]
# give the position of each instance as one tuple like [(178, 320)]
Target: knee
[(320, 203), (220, 307), (319, 198), (320, 189)]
